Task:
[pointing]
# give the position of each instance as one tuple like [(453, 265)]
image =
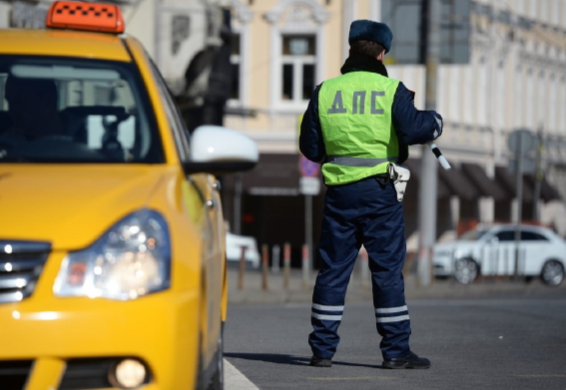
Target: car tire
[(466, 270), (218, 378), (552, 273)]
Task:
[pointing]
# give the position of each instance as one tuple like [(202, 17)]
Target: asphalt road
[(489, 343)]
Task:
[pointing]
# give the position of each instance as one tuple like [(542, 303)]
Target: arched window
[(297, 52)]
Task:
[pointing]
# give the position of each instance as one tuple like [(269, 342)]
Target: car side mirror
[(219, 151)]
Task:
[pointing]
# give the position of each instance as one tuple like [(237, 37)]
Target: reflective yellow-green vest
[(355, 115)]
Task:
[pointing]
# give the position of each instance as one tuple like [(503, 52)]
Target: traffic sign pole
[(308, 231), (538, 175), (429, 169), (521, 142), (519, 205)]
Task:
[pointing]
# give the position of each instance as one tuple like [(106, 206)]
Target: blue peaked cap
[(368, 30)]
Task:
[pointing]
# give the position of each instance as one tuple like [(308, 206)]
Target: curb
[(440, 289)]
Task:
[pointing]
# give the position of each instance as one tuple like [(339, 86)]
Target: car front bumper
[(51, 333), (442, 264)]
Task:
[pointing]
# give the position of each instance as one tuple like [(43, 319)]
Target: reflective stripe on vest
[(359, 162), (355, 116)]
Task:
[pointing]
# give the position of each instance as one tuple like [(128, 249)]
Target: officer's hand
[(439, 124)]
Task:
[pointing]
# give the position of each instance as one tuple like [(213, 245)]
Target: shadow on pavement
[(288, 359)]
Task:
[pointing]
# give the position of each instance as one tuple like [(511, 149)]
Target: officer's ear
[(381, 56)]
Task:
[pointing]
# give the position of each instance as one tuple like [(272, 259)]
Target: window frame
[(297, 62), (296, 106)]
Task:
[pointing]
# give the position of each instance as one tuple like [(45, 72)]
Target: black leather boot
[(409, 361), (319, 362)]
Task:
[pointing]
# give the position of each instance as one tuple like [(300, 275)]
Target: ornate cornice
[(243, 13), (319, 13)]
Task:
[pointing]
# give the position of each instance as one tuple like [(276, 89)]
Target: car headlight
[(130, 260)]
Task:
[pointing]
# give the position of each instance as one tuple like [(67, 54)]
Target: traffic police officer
[(355, 126)]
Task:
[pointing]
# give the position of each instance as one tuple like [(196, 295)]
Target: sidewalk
[(297, 293)]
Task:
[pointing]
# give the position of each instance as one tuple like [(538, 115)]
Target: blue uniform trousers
[(365, 212)]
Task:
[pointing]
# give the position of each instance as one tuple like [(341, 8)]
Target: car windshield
[(66, 110), (472, 235)]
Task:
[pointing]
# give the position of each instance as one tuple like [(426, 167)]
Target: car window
[(55, 109), (532, 236), (506, 235)]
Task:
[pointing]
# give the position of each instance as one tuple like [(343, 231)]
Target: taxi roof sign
[(77, 15)]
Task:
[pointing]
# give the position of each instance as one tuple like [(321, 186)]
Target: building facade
[(514, 77)]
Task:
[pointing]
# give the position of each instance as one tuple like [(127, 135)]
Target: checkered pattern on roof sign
[(85, 16)]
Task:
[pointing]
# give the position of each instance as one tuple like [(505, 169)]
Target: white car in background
[(491, 251), (234, 244)]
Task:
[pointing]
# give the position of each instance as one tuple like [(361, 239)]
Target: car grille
[(21, 263), (82, 374), (86, 374), (14, 373)]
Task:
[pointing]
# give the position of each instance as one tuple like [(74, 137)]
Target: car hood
[(71, 206), (457, 246)]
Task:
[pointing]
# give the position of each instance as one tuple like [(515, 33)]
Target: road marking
[(235, 380), (541, 376), (443, 302)]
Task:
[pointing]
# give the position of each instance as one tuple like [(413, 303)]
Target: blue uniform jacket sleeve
[(311, 142), (412, 126)]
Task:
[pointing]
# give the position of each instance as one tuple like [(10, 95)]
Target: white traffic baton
[(440, 157)]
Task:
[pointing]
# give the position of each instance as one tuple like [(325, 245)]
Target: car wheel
[(552, 273), (465, 270), (218, 378)]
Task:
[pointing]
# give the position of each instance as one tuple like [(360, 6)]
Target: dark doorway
[(275, 220)]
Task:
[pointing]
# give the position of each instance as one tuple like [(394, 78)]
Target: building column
[(4, 12), (455, 211), (487, 210), (349, 12), (514, 210), (375, 10)]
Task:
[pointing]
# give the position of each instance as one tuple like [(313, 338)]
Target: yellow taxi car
[(112, 269)]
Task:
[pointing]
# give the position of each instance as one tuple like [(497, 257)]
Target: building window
[(235, 64), (297, 52), (298, 59)]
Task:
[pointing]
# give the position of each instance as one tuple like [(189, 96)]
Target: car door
[(536, 248), (212, 230)]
